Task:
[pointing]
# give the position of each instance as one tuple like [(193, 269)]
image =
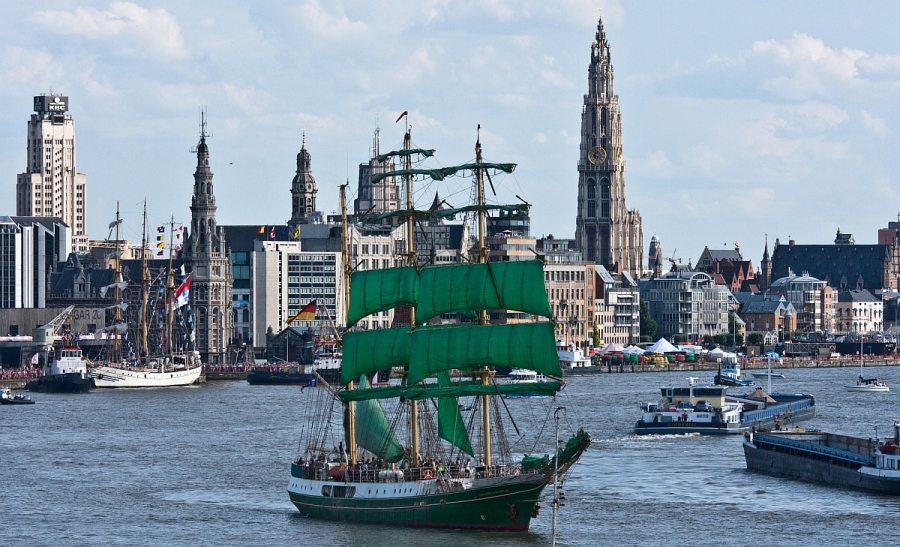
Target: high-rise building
[(50, 185), (206, 256), (303, 190), (607, 232), (381, 197)]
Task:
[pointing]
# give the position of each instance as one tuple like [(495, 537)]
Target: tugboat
[(66, 372)]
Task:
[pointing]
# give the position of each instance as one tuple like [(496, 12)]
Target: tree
[(755, 338), (597, 339), (648, 325), (679, 338)]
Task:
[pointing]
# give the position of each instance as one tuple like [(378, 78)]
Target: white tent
[(610, 348), (633, 350), (717, 353), (663, 346)]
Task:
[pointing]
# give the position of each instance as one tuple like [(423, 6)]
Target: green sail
[(465, 288), (443, 172), (373, 430), (466, 347), (370, 350), (404, 153), (373, 291), (450, 214), (451, 426), (457, 389)]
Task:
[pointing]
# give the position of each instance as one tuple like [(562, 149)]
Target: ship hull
[(111, 377), (280, 378), (830, 473), (501, 504), (73, 382)]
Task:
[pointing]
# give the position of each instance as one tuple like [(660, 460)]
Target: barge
[(827, 458), (710, 410)]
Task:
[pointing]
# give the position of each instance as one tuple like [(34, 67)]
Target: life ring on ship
[(427, 474)]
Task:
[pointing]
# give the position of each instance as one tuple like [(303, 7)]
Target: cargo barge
[(710, 410), (827, 458)]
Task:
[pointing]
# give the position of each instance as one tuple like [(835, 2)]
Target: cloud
[(24, 70), (326, 25), (247, 98), (134, 28), (875, 125)]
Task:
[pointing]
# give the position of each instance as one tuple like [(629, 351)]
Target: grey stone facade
[(607, 232), (206, 256)]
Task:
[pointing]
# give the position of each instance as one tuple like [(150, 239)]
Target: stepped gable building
[(50, 185), (844, 265), (607, 232), (728, 267), (303, 190), (210, 265)]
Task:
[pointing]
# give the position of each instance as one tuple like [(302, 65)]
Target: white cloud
[(319, 21), (875, 125), (246, 98), (135, 29), (24, 70)]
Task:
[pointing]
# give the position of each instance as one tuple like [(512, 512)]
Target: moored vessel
[(827, 458), (65, 372)]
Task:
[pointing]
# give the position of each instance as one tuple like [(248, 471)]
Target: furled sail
[(372, 291), (466, 347), (419, 392), (404, 153), (451, 426), (443, 172), (450, 214), (371, 350), (466, 288), (373, 430)]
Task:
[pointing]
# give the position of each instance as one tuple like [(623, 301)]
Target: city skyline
[(776, 118)]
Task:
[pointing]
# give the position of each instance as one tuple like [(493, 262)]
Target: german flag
[(308, 313)]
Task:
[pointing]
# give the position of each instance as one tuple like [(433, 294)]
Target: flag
[(160, 245), (161, 238), (296, 234), (313, 382), (262, 229), (113, 223), (401, 116), (161, 229), (272, 233), (285, 231), (181, 294), (308, 313)]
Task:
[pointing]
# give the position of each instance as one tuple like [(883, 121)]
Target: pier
[(752, 364)]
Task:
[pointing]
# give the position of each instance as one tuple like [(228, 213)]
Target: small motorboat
[(7, 397), (768, 374)]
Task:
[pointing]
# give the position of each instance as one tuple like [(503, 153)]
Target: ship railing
[(447, 473)]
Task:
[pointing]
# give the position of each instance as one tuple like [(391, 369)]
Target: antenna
[(203, 134)]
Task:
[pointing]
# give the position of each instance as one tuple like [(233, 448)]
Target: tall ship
[(406, 453), (169, 368), (827, 458)]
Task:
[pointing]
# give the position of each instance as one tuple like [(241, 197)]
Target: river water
[(209, 465)]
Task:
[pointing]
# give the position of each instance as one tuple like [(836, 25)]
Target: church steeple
[(606, 231), (765, 266), (303, 189), (204, 236)]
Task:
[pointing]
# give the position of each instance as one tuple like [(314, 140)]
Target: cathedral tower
[(607, 233), (205, 254), (303, 190)]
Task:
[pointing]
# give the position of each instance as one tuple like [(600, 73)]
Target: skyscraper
[(382, 197), (50, 185), (607, 233), (206, 256)]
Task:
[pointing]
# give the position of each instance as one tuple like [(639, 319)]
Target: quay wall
[(748, 365)]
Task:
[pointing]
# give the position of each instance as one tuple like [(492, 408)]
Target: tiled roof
[(832, 263)]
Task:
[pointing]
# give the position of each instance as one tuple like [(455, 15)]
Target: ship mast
[(170, 290), (482, 316), (117, 276), (351, 407), (411, 258), (145, 287)]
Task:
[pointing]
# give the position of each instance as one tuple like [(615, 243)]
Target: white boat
[(524, 376), (181, 370), (864, 384), (768, 374), (573, 361)]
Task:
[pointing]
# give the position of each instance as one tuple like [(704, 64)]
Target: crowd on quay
[(20, 373), (228, 368)]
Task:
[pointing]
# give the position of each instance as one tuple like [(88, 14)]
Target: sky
[(740, 121)]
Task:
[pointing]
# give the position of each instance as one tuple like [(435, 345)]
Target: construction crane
[(671, 260), (43, 335)]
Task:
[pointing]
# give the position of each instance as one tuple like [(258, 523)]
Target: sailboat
[(417, 469), (170, 370)]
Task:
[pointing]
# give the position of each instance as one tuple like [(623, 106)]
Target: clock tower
[(607, 233)]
